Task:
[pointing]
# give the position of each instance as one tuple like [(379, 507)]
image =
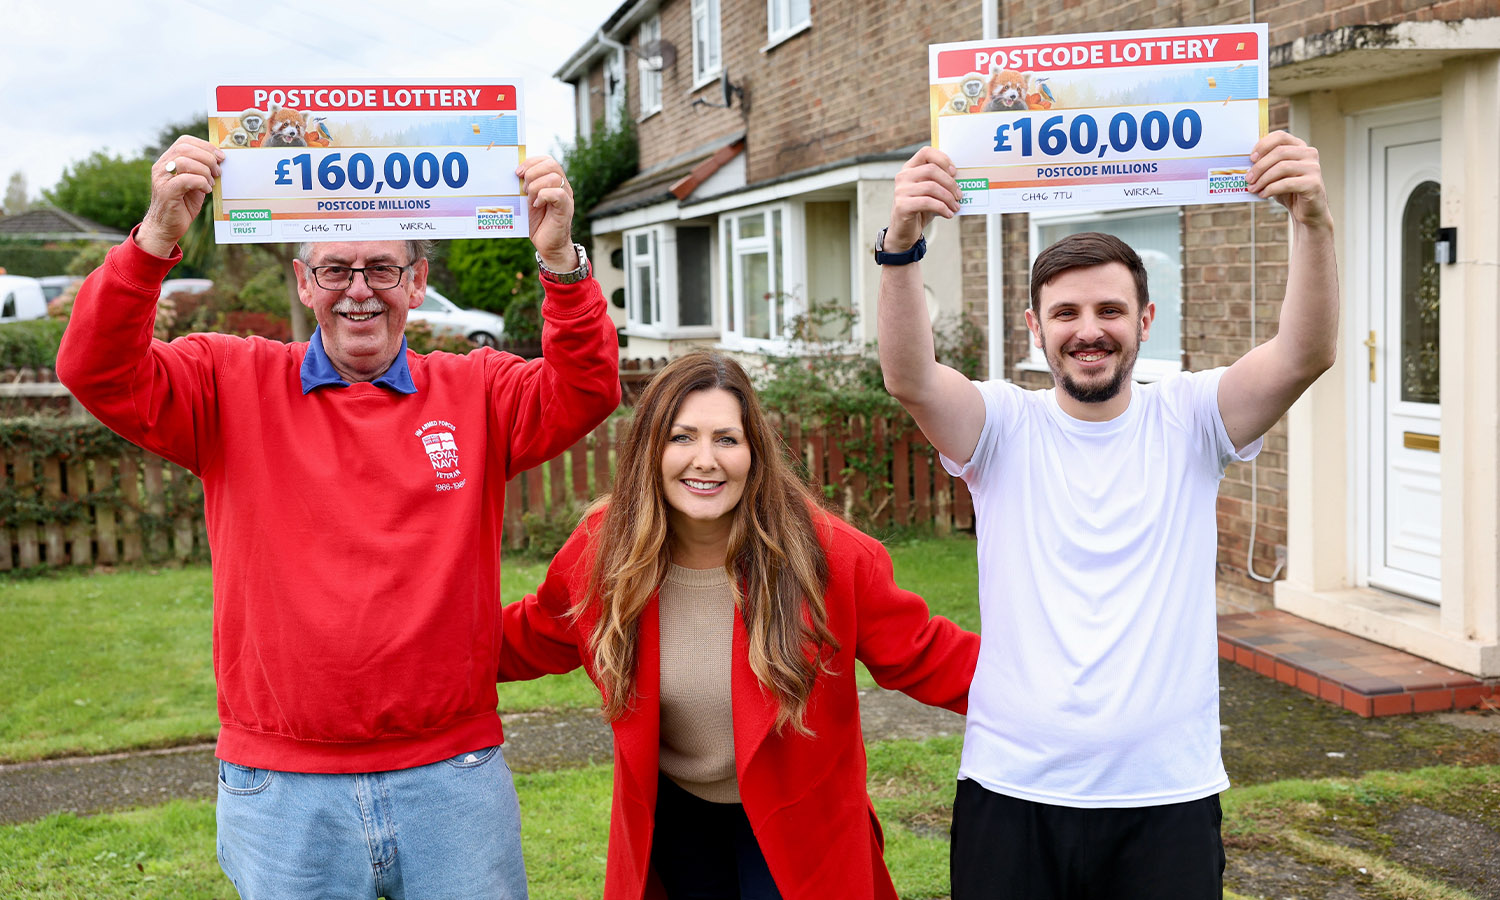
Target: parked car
[(185, 286), (21, 298), (54, 285), (445, 317)]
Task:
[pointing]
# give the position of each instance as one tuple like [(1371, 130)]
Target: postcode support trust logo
[(442, 451)]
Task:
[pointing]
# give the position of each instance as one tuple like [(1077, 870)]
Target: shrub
[(31, 344), (420, 339)]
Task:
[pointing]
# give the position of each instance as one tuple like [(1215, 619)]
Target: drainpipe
[(994, 256)]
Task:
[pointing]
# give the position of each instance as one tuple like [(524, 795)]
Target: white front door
[(1400, 362)]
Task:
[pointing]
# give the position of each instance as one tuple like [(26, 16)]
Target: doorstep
[(1364, 677)]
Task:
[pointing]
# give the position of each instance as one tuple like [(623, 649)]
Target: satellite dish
[(657, 55), (728, 90)]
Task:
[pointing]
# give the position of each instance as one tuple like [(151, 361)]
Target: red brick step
[(1364, 677)]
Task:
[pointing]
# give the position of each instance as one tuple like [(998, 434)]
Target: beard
[(1096, 390)]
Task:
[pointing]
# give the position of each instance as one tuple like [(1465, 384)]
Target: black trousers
[(1006, 848), (706, 851)]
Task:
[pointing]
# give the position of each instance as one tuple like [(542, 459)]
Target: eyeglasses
[(379, 278)]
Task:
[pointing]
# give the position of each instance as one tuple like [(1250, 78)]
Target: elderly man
[(354, 493), (1091, 762)]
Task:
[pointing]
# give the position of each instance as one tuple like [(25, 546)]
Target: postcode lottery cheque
[(368, 160), (1101, 121)]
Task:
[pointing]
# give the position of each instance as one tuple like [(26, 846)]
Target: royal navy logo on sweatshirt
[(442, 451)]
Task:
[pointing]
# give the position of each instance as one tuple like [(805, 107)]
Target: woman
[(720, 612)]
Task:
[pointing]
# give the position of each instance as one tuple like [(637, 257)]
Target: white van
[(21, 298)]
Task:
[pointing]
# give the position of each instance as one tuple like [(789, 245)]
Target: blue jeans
[(451, 829)]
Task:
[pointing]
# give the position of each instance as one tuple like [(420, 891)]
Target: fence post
[(182, 524), (78, 532), (514, 533), (130, 504), (603, 471), (156, 504), (578, 455), (52, 492), (104, 513), (28, 550), (6, 536)]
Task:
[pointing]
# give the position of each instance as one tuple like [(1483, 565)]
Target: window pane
[(643, 291), (1420, 298), (778, 321), (693, 294), (731, 303), (828, 264), (753, 226), (1157, 238), (757, 275), (800, 10)]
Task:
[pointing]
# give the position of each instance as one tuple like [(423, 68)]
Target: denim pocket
[(474, 758), (238, 779)]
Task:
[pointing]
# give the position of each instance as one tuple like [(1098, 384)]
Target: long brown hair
[(776, 565)]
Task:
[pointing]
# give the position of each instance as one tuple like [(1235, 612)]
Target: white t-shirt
[(1098, 679)]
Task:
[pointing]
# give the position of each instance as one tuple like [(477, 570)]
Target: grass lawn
[(168, 850), (97, 663)]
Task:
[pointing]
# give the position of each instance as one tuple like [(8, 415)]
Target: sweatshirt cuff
[(147, 265), (570, 301)]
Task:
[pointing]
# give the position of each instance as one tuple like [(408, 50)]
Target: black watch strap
[(911, 255)]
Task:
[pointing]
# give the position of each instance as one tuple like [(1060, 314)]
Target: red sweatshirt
[(355, 531)]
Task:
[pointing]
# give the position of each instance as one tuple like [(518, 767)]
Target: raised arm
[(945, 404), (552, 402), (156, 395), (1263, 384)]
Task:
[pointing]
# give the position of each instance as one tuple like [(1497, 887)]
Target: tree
[(16, 201), (196, 127), (110, 190), (597, 165), (499, 276)]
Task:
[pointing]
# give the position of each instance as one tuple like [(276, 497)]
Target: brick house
[(770, 131)]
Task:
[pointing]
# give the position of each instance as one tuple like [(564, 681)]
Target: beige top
[(697, 715)]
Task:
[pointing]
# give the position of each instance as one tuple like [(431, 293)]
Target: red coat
[(805, 797)]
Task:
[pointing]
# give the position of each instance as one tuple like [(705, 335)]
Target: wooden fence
[(68, 509), (129, 506), (904, 485)]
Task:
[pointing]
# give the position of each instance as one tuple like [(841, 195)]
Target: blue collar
[(318, 370)]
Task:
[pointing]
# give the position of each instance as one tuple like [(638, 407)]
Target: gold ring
[(171, 167)]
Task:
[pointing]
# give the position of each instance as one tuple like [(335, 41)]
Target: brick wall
[(853, 83)]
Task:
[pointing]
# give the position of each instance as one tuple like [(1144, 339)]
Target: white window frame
[(708, 64), (788, 258), (614, 101), (783, 21), (661, 261), (1145, 369), (650, 78)]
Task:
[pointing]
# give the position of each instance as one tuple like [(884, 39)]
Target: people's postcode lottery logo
[(495, 218)]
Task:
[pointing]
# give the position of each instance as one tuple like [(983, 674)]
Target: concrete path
[(533, 741)]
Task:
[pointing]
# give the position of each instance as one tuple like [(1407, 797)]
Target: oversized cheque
[(368, 161), (1100, 121)]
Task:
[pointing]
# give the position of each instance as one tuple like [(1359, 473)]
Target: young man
[(354, 494), (1091, 762)]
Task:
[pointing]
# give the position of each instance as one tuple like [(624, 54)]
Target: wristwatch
[(882, 258), (572, 277)]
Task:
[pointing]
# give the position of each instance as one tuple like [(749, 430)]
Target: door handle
[(1370, 343)]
